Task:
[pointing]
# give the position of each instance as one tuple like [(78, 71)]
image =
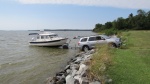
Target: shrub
[(111, 31)]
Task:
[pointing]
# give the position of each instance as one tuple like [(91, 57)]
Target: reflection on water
[(24, 64)]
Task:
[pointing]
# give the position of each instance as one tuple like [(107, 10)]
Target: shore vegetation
[(141, 21)]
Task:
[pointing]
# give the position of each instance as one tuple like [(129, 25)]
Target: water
[(23, 64)]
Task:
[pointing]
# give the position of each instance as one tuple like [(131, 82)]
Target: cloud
[(134, 4)]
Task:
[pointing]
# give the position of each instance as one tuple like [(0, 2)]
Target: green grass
[(132, 64), (101, 61), (129, 64)]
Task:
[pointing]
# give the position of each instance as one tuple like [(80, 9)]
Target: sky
[(64, 14)]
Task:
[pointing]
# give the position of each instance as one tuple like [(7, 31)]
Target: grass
[(131, 64), (100, 63)]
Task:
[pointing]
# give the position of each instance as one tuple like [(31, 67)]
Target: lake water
[(23, 64)]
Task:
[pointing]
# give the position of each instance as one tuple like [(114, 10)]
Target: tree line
[(141, 21)]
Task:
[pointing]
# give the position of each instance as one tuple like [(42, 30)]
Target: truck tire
[(85, 48), (112, 45)]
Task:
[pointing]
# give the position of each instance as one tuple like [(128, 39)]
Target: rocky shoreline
[(76, 72)]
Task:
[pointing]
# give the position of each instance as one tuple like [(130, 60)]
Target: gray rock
[(77, 62), (78, 59), (68, 71), (78, 77), (70, 79), (92, 51), (87, 57), (76, 81), (74, 72), (82, 68), (49, 80), (85, 80), (59, 74), (61, 81), (108, 80), (95, 82), (67, 67), (75, 66), (60, 77), (78, 55), (84, 74)]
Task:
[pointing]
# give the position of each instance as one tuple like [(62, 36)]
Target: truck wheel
[(85, 48), (112, 45)]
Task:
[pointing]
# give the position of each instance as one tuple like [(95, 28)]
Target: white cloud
[(135, 4)]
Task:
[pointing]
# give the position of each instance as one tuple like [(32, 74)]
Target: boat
[(47, 39)]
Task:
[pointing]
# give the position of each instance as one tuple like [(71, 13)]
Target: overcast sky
[(64, 14)]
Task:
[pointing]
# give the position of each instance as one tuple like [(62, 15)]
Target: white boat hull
[(59, 42)]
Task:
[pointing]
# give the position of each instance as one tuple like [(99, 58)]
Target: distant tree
[(108, 25), (141, 12), (98, 27), (130, 15), (119, 24), (130, 21), (141, 21), (147, 22)]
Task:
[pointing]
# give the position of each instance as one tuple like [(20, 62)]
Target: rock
[(61, 81), (68, 71), (78, 55), (67, 67), (95, 82), (78, 77), (78, 59), (87, 57), (59, 74), (55, 79), (70, 79), (92, 51), (74, 72), (108, 80), (77, 62), (76, 81), (72, 60), (60, 77), (82, 80), (82, 68), (75, 66), (49, 80), (85, 80), (84, 74)]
